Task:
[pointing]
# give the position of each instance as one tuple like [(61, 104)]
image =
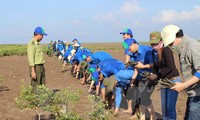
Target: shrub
[(98, 109), (42, 99)]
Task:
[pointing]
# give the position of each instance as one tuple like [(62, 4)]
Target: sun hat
[(168, 34), (40, 30), (127, 43), (127, 31), (155, 37)]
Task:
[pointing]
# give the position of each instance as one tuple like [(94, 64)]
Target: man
[(123, 76), (143, 54), (50, 48), (36, 58), (127, 34), (188, 49)]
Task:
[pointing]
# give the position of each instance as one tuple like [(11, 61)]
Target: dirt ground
[(15, 68)]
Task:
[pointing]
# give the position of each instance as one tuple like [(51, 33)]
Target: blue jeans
[(193, 108), (123, 77), (168, 100), (118, 96)]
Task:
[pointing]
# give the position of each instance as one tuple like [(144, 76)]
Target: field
[(14, 68)]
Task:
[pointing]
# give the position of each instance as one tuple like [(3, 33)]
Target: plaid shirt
[(190, 64)]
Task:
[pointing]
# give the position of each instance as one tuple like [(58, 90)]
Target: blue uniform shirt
[(110, 67), (99, 56), (144, 55)]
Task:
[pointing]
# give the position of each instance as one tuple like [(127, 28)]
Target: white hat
[(168, 34), (76, 45), (73, 51)]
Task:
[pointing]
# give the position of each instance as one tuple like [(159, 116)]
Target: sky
[(94, 21)]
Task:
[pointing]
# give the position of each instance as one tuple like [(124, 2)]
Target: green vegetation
[(98, 109), (12, 49), (8, 50), (59, 102)]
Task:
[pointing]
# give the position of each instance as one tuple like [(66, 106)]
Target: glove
[(131, 63)]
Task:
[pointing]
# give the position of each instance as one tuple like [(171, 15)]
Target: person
[(127, 34), (54, 49), (107, 68), (141, 53), (50, 48), (75, 40), (36, 58), (188, 50), (165, 68)]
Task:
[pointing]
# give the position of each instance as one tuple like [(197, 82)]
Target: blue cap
[(40, 30), (127, 31), (74, 39), (84, 56), (127, 43)]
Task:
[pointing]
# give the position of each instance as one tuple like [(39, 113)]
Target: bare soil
[(15, 68)]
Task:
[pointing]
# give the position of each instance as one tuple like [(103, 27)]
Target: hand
[(33, 75), (139, 65), (152, 77), (89, 91), (132, 83), (178, 86)]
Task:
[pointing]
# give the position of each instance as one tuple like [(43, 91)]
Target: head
[(127, 33), (130, 45), (171, 35), (87, 58), (156, 40), (39, 33), (75, 40), (101, 77)]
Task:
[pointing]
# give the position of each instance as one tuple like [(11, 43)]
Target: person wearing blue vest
[(66, 54), (123, 76), (143, 54), (96, 57)]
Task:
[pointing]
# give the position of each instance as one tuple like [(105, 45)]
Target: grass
[(16, 49)]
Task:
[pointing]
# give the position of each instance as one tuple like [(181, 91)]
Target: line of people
[(171, 57)]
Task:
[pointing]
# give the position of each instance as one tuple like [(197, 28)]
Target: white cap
[(168, 34)]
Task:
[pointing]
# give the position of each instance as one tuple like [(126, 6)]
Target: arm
[(31, 58), (134, 77), (142, 66), (91, 84), (181, 86), (127, 58)]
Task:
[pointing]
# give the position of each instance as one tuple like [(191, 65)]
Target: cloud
[(167, 16), (130, 7), (77, 23), (108, 17), (127, 10)]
